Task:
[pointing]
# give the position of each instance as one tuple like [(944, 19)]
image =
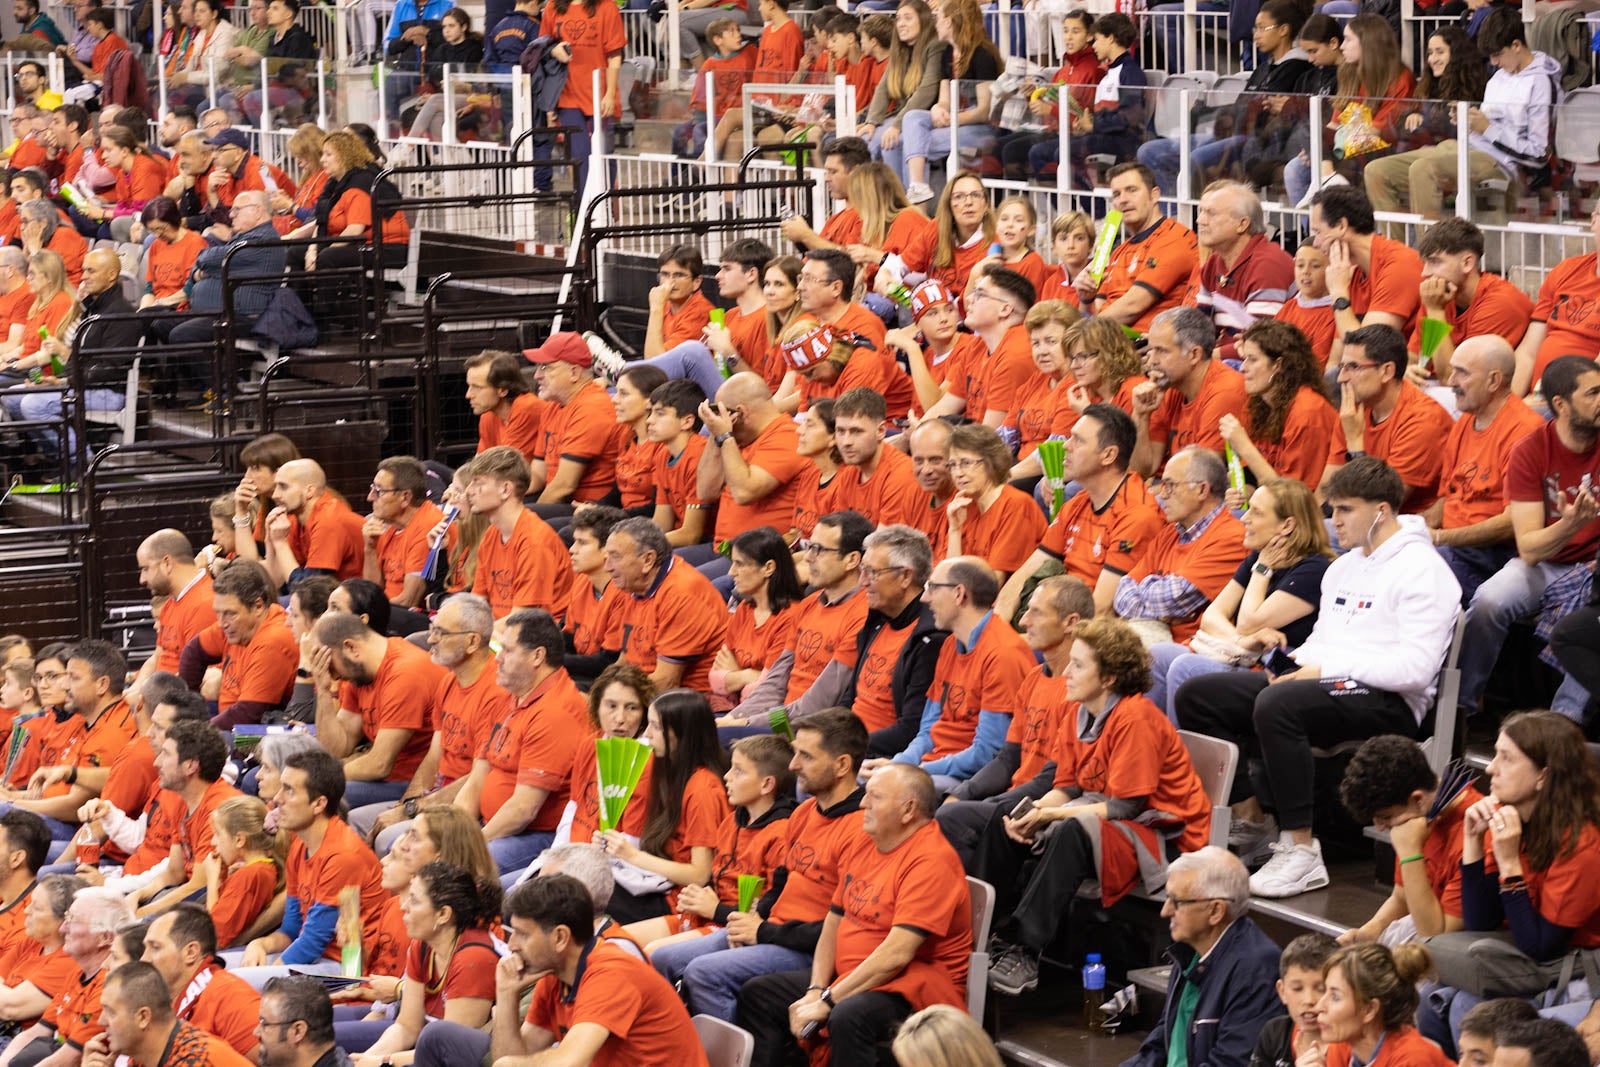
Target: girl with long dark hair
[(754, 656)]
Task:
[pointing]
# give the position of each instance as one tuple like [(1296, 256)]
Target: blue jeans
[(1475, 564), (1296, 180), (512, 854), (1513, 592), (361, 794), (1163, 156), (712, 973), (1170, 666), (578, 149), (445, 1044), (921, 139), (691, 360)]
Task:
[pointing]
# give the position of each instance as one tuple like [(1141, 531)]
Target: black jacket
[(118, 337), (1237, 995), (366, 179)]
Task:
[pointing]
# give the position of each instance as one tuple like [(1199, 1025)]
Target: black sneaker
[(1014, 971)]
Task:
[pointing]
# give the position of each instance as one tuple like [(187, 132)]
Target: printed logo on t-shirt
[(862, 901), (801, 858), (875, 672)]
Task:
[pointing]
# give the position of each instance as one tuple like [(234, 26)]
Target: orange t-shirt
[(536, 747), (1392, 286), (874, 700), (1044, 707), (968, 680), (98, 745), (1137, 753), (228, 1007), (388, 954), (595, 622), (705, 805), (1310, 429), (919, 885), (817, 840), (261, 671), (51, 974), (245, 894), (14, 940), (399, 698), (1208, 562), (1179, 423), (890, 496), (342, 859), (403, 550), (1408, 440), (1404, 1047), (74, 1013), (685, 322), (1472, 470), (464, 715), (186, 612), (1441, 852), (747, 848), (758, 645), (1002, 378), (170, 262), (593, 40), (748, 332), (643, 1015), (774, 451), (1005, 535), (354, 208), (636, 462), (143, 183), (1040, 405), (49, 318), (675, 478), (14, 307), (523, 430), (583, 430), (530, 569), (1497, 308), (823, 632), (963, 258), (682, 619), (842, 228), (1315, 321), (813, 499), (1569, 307), (329, 539), (69, 244), (1114, 536), (1160, 259)]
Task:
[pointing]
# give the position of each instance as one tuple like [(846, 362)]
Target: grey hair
[(907, 547), (104, 911), (1245, 203), (255, 196), (588, 864), (197, 135), (278, 749), (1193, 327), (1208, 467), (14, 258), (59, 891), (44, 211), (647, 537), (1219, 875), (476, 614)]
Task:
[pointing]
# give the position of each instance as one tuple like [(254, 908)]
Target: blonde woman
[(888, 221), (943, 1036), (912, 80), (305, 148)]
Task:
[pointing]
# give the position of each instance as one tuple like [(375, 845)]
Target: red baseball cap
[(928, 295), (563, 347)]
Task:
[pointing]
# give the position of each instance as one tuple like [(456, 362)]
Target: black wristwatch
[(722, 438), (408, 806), (1342, 304), (827, 997)]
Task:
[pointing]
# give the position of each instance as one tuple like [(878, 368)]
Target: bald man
[(100, 292), (884, 953), (1470, 522), (753, 462), (311, 531), (167, 569)]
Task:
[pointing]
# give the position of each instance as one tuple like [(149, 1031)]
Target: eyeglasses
[(963, 464), (965, 198), (377, 490), (434, 631), (812, 548), (1181, 902), (673, 275), (1081, 357), (1165, 486), (872, 574), (940, 585), (980, 294), (1353, 367), (264, 1023)]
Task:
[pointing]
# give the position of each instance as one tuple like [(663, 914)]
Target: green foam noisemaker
[(778, 719), (1053, 461), (1100, 258), (620, 763), (750, 886), (1434, 331), (1235, 472)]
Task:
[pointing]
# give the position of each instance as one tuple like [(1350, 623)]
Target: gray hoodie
[(1518, 109)]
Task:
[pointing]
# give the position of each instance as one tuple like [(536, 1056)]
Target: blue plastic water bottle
[(1094, 991)]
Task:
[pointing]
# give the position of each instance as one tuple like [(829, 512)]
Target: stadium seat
[(726, 1045), (983, 897), (126, 421), (1216, 762)]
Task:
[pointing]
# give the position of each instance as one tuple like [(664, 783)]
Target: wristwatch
[(1261, 568), (408, 806), (722, 438), (827, 997), (1342, 304)]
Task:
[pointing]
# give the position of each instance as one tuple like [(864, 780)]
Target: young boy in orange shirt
[(674, 422), (730, 65)]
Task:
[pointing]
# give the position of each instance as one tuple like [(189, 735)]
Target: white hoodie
[(1518, 108), (1386, 620)]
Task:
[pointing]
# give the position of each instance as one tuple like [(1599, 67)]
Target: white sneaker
[(1331, 181), (919, 192), (1292, 870), (608, 359), (1253, 841)]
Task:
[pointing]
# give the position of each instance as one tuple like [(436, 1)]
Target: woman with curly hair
[(1290, 422), (1119, 761)]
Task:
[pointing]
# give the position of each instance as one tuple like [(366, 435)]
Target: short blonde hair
[(943, 1036)]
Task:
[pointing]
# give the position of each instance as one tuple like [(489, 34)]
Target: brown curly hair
[(1119, 652), (1295, 366), (1104, 339)]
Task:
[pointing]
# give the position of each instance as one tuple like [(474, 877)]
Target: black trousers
[(1282, 723), (1036, 890), (855, 1027), (966, 821), (1575, 642)]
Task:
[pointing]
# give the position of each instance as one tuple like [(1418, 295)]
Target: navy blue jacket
[(506, 41), (1237, 996), (266, 257)]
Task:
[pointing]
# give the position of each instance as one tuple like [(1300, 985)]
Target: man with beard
[(1188, 392), (509, 413), (1550, 486), (190, 762), (167, 569), (468, 704), (395, 535), (385, 700), (296, 1025), (311, 529), (182, 945)]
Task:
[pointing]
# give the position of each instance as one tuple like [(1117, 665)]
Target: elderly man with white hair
[(1224, 969)]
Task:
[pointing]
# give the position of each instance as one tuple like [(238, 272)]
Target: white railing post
[(1317, 124), (1180, 195), (1191, 36), (1408, 34), (710, 149), (383, 100), (322, 93), (447, 129), (1464, 186), (56, 68), (265, 89), (1064, 133), (674, 47), (847, 124), (1003, 37), (341, 33), (953, 160)]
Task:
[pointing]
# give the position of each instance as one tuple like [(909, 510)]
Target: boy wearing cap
[(935, 348), (829, 362), (582, 437), (236, 169)]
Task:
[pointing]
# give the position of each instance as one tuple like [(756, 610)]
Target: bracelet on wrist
[(1411, 859)]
